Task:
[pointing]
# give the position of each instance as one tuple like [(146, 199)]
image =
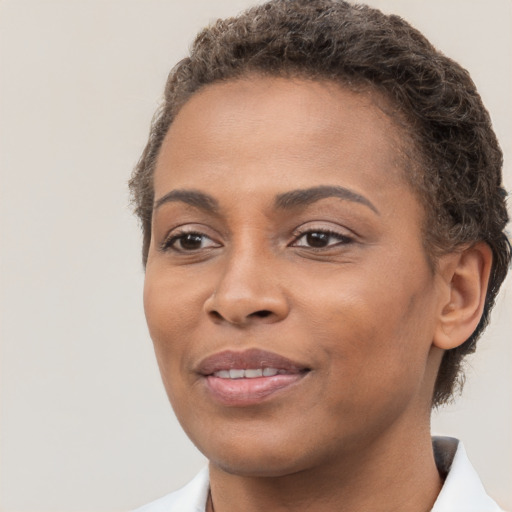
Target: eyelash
[(169, 242), (342, 239)]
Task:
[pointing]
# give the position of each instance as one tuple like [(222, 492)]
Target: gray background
[(85, 424)]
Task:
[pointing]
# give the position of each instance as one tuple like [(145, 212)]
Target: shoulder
[(191, 498), (462, 490)]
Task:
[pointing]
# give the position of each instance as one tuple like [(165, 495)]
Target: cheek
[(173, 297), (171, 317), (171, 309), (372, 326)]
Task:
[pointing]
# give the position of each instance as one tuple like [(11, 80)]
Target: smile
[(250, 373), (240, 379)]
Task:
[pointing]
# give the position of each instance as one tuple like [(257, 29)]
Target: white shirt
[(462, 490)]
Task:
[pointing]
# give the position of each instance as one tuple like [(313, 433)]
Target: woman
[(323, 220)]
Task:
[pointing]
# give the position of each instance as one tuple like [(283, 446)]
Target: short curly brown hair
[(454, 146)]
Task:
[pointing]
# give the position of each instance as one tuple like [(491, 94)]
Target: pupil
[(191, 241), (317, 239)]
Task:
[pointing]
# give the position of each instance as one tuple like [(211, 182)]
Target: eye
[(188, 242), (320, 239)]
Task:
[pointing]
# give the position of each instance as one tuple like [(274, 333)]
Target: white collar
[(462, 490), (191, 498)]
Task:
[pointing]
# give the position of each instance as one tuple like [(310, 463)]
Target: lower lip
[(244, 392)]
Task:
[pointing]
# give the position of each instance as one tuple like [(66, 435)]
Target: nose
[(247, 292)]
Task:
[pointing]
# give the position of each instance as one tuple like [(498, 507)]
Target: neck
[(399, 476)]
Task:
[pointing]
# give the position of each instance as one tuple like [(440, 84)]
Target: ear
[(465, 276)]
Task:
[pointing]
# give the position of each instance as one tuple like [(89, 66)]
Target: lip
[(251, 358), (248, 391)]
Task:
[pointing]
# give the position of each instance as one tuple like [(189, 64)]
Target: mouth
[(249, 373), (248, 377)]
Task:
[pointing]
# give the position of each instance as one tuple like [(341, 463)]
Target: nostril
[(216, 314), (261, 314)]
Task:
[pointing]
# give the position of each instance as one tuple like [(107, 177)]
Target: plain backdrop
[(85, 424)]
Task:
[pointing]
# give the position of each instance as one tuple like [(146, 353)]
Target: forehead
[(282, 130)]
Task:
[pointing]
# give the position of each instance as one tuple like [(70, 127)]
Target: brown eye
[(315, 239), (321, 239), (188, 242), (191, 241)]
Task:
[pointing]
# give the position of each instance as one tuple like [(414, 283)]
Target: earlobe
[(466, 276)]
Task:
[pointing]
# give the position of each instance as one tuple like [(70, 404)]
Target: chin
[(251, 455), (260, 465)]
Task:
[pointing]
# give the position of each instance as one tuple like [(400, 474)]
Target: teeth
[(250, 373)]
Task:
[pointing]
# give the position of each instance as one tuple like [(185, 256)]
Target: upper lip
[(247, 359)]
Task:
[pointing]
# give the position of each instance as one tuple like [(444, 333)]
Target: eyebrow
[(285, 201), (304, 197), (192, 197)]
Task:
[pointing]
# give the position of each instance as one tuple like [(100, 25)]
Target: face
[(287, 292)]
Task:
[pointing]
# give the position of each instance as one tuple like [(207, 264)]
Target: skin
[(364, 312)]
